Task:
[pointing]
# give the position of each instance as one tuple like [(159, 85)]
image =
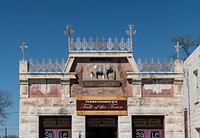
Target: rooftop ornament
[(100, 45), (23, 47), (177, 46)]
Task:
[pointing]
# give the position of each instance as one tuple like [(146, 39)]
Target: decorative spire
[(177, 46), (23, 47), (68, 31), (130, 33)]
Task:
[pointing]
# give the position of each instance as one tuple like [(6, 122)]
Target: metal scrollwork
[(121, 45), (44, 66), (156, 66), (109, 45)]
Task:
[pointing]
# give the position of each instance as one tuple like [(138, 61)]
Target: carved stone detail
[(102, 70)]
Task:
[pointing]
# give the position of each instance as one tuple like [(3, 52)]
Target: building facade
[(100, 91), (192, 93)]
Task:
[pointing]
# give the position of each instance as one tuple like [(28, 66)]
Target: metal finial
[(177, 46), (23, 47), (130, 32), (68, 30)]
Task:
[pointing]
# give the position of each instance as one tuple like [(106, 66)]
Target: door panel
[(57, 133), (148, 133), (49, 134)]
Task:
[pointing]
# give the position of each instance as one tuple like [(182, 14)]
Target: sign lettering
[(48, 134), (101, 105), (63, 134)]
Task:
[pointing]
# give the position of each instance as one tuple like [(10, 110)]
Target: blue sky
[(40, 23)]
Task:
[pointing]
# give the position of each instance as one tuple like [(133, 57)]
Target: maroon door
[(57, 133), (101, 127), (149, 133)]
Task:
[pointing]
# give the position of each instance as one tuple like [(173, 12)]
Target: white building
[(192, 93)]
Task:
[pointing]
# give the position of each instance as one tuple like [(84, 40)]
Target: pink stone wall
[(44, 89), (83, 68)]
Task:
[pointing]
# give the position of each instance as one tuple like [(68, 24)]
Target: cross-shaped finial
[(130, 32), (23, 47), (68, 30), (177, 46)]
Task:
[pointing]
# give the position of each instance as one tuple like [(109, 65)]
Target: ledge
[(101, 83)]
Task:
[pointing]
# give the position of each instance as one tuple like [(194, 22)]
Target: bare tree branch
[(186, 42), (5, 101)]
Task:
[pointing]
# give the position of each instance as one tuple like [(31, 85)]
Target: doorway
[(148, 126), (55, 127), (101, 127)]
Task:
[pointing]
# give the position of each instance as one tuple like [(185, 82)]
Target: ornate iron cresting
[(92, 45), (49, 66), (100, 45), (155, 66)]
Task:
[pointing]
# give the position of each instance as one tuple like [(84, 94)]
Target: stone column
[(65, 83), (78, 127), (124, 127), (23, 66), (136, 89), (23, 69), (178, 66), (24, 88)]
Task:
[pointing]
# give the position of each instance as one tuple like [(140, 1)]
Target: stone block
[(33, 128), (78, 128), (179, 110), (78, 119), (31, 110), (178, 127), (169, 127), (125, 135), (28, 119), (24, 110), (157, 111), (170, 110), (30, 135), (47, 110), (124, 119), (23, 128), (125, 128), (170, 120)]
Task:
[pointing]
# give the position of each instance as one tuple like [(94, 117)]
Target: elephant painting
[(103, 70)]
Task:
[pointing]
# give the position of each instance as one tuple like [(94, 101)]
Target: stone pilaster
[(24, 88), (65, 87), (136, 87), (124, 127), (23, 66), (78, 126)]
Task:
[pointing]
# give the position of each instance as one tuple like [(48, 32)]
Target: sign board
[(101, 105)]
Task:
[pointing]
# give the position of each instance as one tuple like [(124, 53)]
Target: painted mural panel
[(157, 87), (44, 88)]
